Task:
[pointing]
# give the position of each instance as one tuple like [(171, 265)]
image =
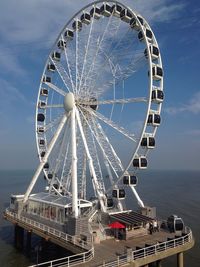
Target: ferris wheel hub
[(69, 102)]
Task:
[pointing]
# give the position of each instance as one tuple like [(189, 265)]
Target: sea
[(171, 192)]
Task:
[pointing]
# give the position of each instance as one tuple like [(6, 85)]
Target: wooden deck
[(109, 250)]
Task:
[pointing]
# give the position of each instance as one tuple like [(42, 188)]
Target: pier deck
[(135, 252)]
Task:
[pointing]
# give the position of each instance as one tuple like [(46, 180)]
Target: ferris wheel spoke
[(62, 73), (52, 123), (55, 106), (55, 88), (86, 53), (97, 185), (105, 149), (58, 160), (42, 163), (118, 73), (68, 66), (98, 49), (113, 125), (115, 101)]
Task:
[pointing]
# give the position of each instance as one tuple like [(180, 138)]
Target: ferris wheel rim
[(150, 78)]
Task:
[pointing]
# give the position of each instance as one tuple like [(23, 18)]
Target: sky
[(28, 30)]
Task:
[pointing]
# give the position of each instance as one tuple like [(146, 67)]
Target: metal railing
[(133, 255), (52, 231), (68, 261)]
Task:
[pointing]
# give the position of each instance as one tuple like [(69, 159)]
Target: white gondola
[(69, 35), (134, 23), (126, 15), (51, 67), (95, 13), (119, 193), (157, 96), (148, 142), (46, 166), (56, 56), (41, 142), (157, 73), (61, 44), (41, 104), (154, 119), (42, 154), (40, 129), (106, 10), (148, 34), (44, 92), (154, 51), (40, 117), (116, 10), (77, 25), (50, 176), (175, 223), (109, 202), (130, 180), (46, 79), (140, 162), (86, 18)]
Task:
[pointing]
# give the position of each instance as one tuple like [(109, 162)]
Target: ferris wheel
[(99, 105)]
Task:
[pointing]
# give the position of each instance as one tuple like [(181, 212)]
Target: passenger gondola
[(118, 193), (85, 18), (157, 73), (40, 117), (106, 10), (116, 10), (157, 96), (148, 34), (126, 15), (130, 180), (95, 13), (41, 104), (148, 142), (46, 79), (51, 67), (154, 119), (56, 56), (69, 35), (77, 25), (140, 162), (61, 44), (44, 92), (154, 51), (134, 23)]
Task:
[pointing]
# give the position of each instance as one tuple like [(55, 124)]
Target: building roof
[(131, 218), (55, 200)]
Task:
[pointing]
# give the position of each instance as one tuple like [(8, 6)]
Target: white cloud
[(27, 25), (156, 10), (193, 106)]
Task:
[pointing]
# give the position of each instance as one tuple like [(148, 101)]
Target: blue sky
[(28, 30)]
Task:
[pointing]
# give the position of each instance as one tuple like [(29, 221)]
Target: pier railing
[(133, 255), (49, 230), (68, 261)]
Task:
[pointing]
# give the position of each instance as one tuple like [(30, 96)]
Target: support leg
[(19, 237), (28, 240), (180, 259)]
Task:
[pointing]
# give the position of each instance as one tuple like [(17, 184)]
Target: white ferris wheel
[(99, 105)]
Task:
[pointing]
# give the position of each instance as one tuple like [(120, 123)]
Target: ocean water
[(172, 192)]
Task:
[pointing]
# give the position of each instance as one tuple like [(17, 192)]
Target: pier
[(136, 251)]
